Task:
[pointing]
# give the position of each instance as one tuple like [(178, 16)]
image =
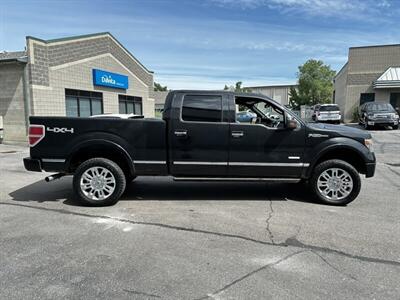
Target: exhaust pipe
[(54, 177)]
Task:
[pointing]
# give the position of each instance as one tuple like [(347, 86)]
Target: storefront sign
[(108, 79)]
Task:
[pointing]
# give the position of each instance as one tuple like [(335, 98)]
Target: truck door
[(199, 135), (265, 148)]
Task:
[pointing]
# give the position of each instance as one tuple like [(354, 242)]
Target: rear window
[(201, 108), (380, 107), (329, 108)]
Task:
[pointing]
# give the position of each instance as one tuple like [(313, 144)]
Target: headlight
[(371, 116), (368, 143)]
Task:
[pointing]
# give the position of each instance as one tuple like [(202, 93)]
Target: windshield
[(380, 107), (329, 108)]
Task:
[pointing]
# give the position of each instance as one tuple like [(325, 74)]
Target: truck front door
[(199, 135), (264, 147)]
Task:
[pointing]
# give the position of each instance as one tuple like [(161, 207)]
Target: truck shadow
[(165, 189)]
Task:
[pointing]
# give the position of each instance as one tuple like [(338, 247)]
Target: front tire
[(98, 182), (335, 182), (395, 127)]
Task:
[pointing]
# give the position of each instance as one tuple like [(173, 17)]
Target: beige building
[(371, 73), (75, 76), (280, 93)]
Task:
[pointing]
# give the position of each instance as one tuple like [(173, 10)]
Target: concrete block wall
[(50, 101), (365, 65), (12, 107), (68, 63)]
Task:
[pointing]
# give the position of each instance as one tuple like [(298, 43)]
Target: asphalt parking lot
[(181, 240)]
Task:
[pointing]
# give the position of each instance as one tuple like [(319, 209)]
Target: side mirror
[(291, 124)]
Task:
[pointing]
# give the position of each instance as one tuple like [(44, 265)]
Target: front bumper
[(370, 169), (32, 164), (383, 122)]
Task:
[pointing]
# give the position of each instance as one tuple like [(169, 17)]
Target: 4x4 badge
[(60, 130)]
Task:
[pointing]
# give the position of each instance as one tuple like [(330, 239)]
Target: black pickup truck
[(200, 138)]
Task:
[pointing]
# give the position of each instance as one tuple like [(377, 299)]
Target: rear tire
[(98, 182), (335, 182)]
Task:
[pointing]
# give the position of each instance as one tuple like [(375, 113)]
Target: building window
[(367, 97), (130, 105), (83, 103), (202, 108)]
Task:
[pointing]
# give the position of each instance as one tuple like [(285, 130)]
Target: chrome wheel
[(97, 183), (335, 184)]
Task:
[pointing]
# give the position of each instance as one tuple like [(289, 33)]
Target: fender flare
[(102, 143), (344, 144)]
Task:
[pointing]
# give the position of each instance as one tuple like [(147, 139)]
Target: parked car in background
[(378, 114), (327, 113), (245, 116)]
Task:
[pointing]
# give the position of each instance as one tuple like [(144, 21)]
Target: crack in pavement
[(332, 266), (224, 288), (141, 293), (291, 241), (269, 217)]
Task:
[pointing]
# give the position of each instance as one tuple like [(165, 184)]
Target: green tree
[(159, 88), (315, 81)]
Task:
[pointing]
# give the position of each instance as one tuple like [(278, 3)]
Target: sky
[(205, 44)]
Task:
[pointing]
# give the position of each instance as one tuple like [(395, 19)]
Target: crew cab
[(200, 138), (378, 114)]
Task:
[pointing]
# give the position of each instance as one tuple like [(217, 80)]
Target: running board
[(294, 180)]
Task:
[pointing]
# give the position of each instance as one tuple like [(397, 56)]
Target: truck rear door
[(199, 135)]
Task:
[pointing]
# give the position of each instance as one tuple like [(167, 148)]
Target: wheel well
[(104, 151), (346, 155)]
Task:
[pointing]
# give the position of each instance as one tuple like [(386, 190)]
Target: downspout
[(25, 88)]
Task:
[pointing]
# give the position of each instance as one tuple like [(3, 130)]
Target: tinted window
[(202, 108), (130, 105), (367, 97), (83, 103), (380, 107), (329, 108)]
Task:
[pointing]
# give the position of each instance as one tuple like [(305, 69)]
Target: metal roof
[(389, 79), (13, 56)]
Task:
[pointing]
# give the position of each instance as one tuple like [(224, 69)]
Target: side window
[(202, 108)]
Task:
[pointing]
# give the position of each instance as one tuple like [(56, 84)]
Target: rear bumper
[(32, 164), (48, 165)]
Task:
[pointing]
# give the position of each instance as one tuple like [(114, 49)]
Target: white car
[(327, 113)]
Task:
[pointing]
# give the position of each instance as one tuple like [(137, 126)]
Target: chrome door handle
[(180, 133), (237, 134)]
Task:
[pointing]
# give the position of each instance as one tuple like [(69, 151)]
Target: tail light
[(36, 134)]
